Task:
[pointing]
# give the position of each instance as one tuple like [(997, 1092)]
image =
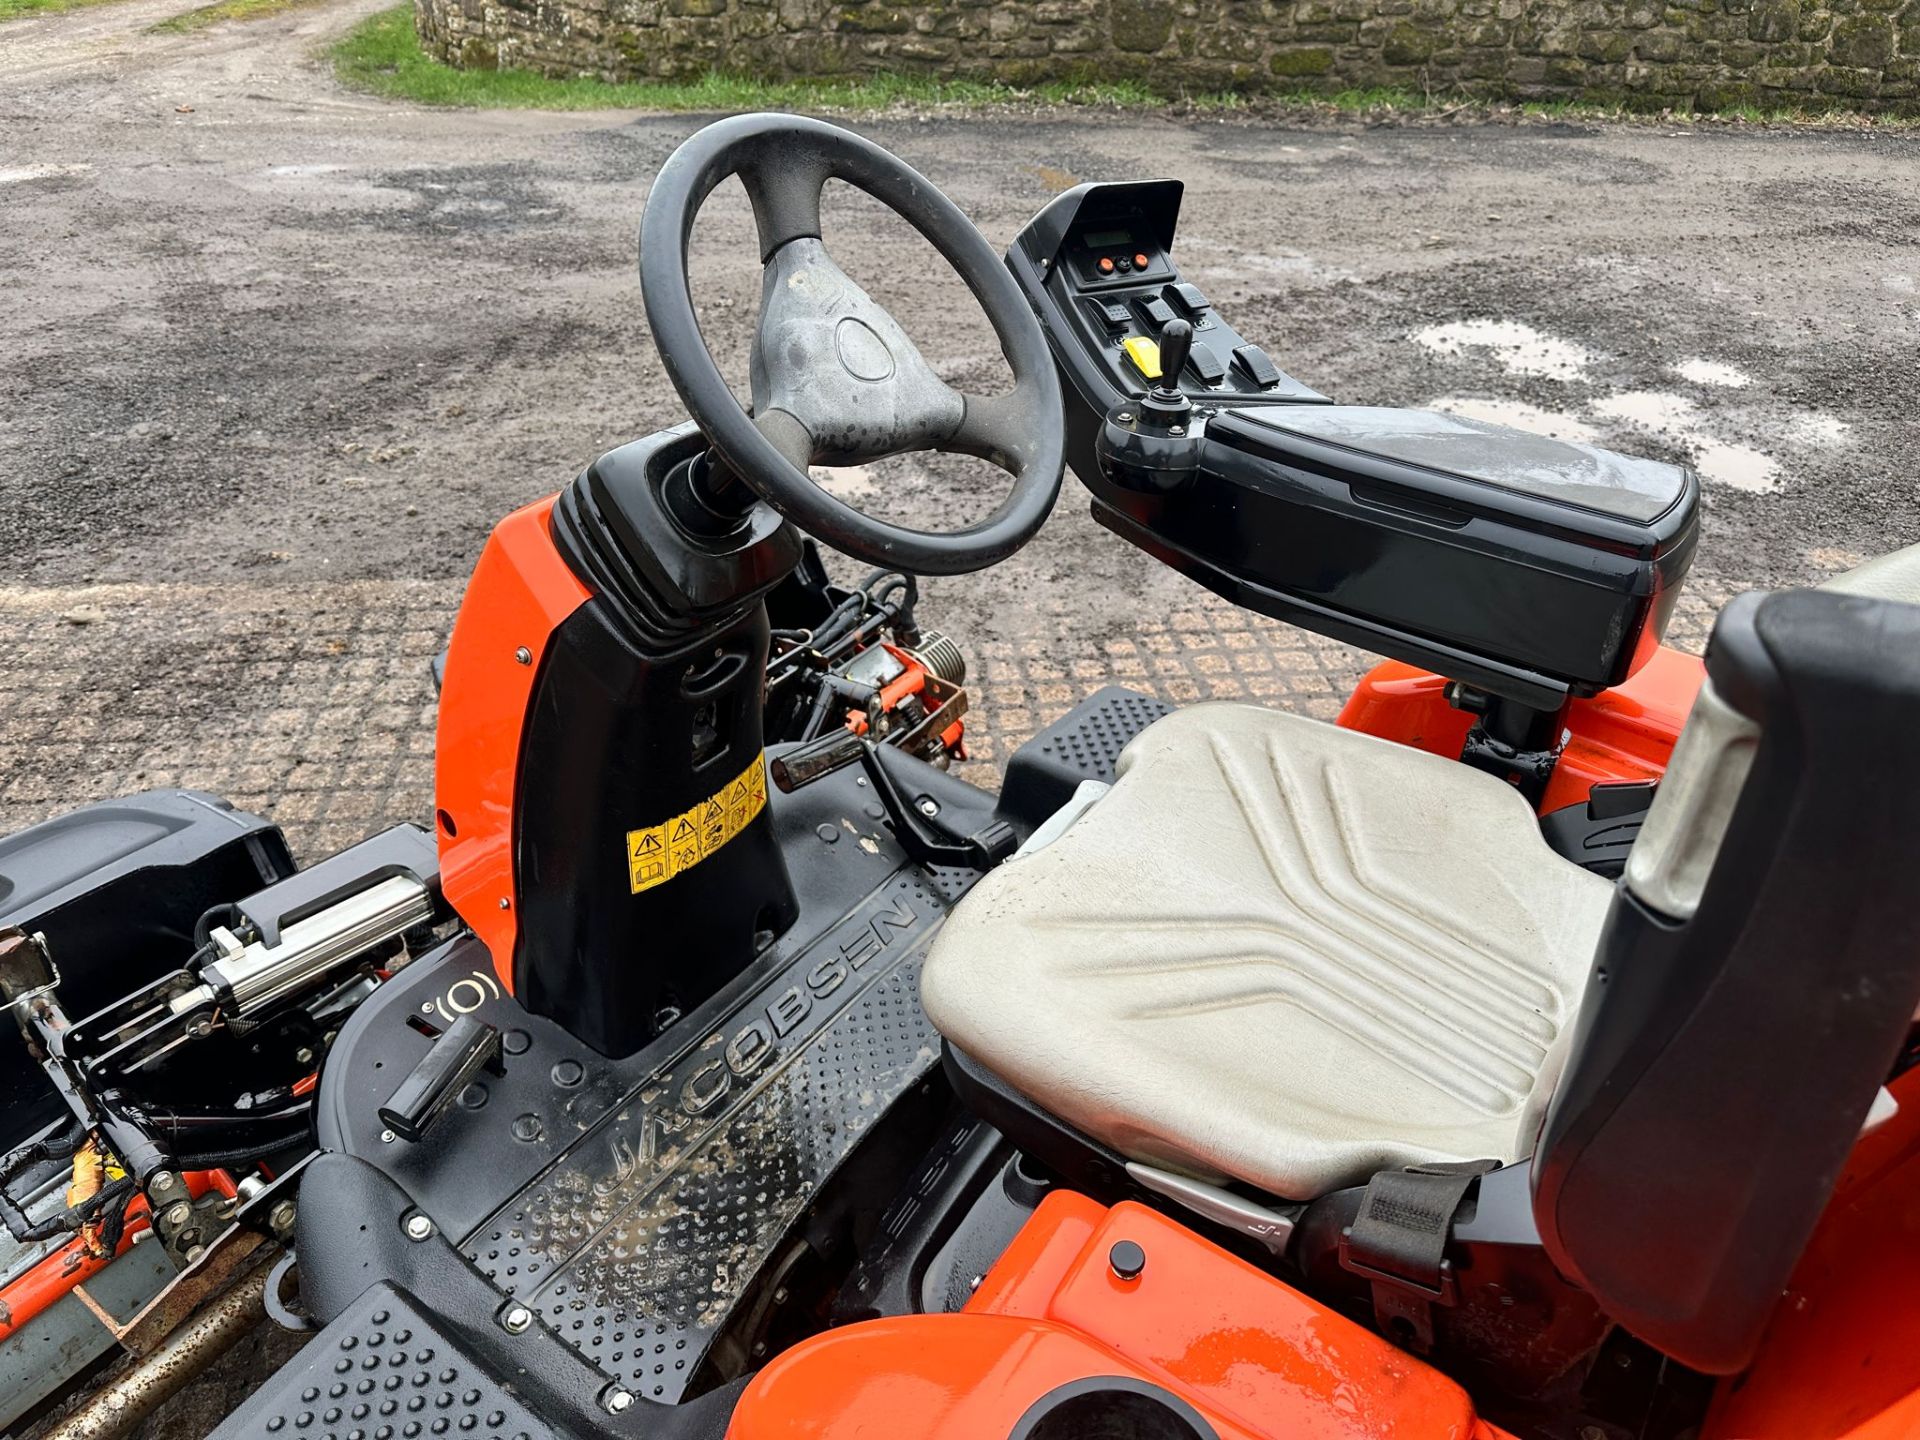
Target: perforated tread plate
[(384, 1370), (636, 1243), (1084, 744)]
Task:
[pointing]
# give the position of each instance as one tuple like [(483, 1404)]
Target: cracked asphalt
[(274, 357)]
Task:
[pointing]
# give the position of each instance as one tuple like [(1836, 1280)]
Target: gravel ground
[(274, 357)]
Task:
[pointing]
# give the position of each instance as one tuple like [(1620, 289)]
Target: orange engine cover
[(1625, 733), (1257, 1359)]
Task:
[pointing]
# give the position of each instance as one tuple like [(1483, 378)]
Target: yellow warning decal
[(657, 853)]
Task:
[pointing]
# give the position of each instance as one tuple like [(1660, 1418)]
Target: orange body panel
[(1841, 1358), (1260, 1360), (1621, 734), (520, 593)]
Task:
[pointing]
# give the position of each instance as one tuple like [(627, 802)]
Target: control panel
[(1102, 258)]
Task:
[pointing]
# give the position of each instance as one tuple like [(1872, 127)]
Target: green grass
[(14, 9), (382, 56), (221, 11)]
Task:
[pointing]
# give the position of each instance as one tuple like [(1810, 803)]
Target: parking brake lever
[(922, 836)]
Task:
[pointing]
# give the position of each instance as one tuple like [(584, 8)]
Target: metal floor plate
[(637, 1242)]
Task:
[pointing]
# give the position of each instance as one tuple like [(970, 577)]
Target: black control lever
[(1165, 404), (462, 1051), (922, 836), (1176, 344)]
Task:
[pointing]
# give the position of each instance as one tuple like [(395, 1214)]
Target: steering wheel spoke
[(994, 428), (835, 379), (784, 189)]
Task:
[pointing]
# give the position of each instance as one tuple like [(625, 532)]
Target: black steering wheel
[(836, 381)]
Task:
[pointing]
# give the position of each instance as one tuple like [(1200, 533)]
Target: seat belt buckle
[(1446, 1291)]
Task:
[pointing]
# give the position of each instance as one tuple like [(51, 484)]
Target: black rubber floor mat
[(385, 1370)]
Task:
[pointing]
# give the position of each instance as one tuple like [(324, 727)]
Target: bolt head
[(617, 1400), (929, 807), (523, 656), (164, 1181), (1127, 1260), (417, 1226), (515, 1319), (179, 1213), (281, 1216), (505, 903)]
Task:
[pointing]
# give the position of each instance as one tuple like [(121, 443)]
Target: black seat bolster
[(1079, 1159), (1726, 1059)]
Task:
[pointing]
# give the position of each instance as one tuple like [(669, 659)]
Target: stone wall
[(1651, 54)]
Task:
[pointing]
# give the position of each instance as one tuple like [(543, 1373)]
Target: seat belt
[(1398, 1240)]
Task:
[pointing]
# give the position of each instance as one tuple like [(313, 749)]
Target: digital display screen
[(1106, 239)]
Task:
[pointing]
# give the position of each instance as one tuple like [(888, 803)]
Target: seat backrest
[(1755, 981)]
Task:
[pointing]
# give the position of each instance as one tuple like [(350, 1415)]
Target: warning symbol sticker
[(657, 853)]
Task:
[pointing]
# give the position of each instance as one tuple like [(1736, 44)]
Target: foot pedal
[(1083, 744), (451, 1063)]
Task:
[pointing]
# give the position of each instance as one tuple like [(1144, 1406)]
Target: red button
[(1106, 264), (1140, 262)]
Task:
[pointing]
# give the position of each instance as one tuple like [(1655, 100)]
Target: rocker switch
[(1207, 365), (1190, 298), (1116, 316), (1157, 311), (1252, 361)]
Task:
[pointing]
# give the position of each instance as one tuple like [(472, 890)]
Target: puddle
[(14, 175), (1520, 416), (1740, 466), (1821, 430), (1656, 410), (1519, 349), (1712, 372), (1676, 418)]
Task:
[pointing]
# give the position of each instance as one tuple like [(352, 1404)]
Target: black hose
[(34, 1152), (66, 1221)]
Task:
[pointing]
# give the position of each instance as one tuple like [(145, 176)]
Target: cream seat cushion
[(1279, 952)]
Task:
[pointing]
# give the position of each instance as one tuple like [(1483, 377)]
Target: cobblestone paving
[(315, 705)]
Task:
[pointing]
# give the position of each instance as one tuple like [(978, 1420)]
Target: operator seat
[(1293, 956)]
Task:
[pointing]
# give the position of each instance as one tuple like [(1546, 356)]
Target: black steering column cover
[(784, 161)]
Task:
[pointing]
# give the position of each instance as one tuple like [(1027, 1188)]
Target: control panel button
[(1157, 311), (1207, 365), (1104, 265), (1140, 261), (1189, 296), (1115, 315), (1252, 361), (1144, 353)]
